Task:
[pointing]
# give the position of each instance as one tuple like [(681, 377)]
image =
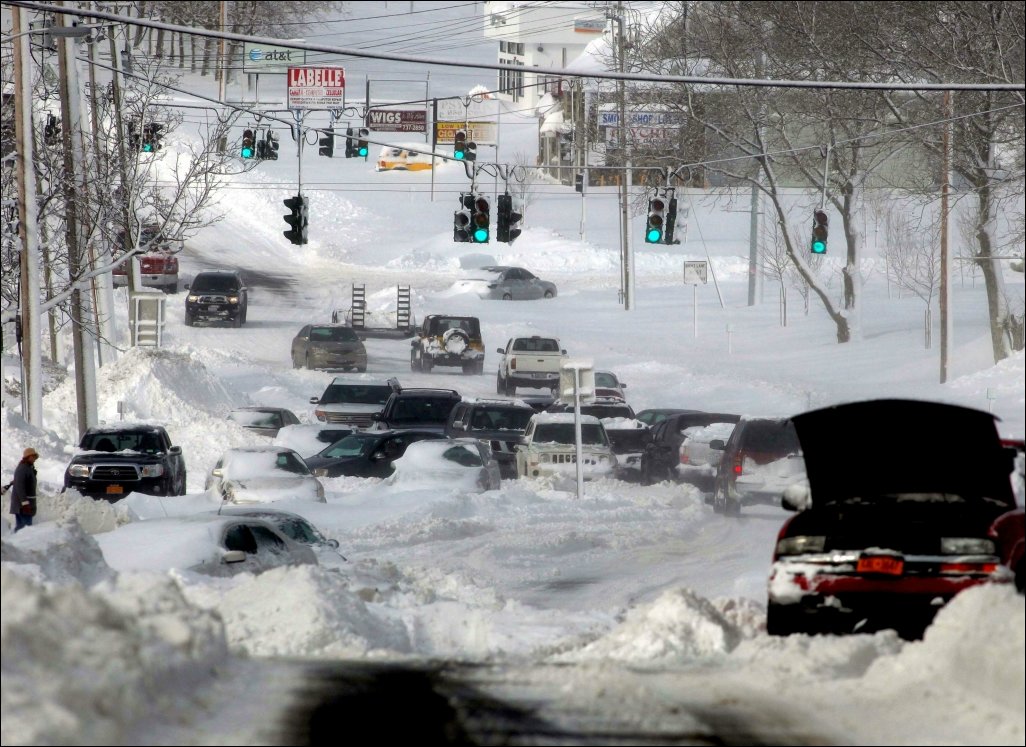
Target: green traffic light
[(458, 155), (147, 148), (818, 247), (247, 152), (654, 235), (363, 151), (481, 235)]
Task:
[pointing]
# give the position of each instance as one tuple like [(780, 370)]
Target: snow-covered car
[(209, 543), (293, 526), (353, 400), (444, 340), (263, 474), (700, 454), (308, 439), (505, 283), (266, 421), (548, 447), (463, 463), (608, 384)]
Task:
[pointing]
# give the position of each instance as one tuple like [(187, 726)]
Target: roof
[(426, 392), (563, 417), (363, 379), (257, 449), (259, 408), (122, 426), (516, 403)]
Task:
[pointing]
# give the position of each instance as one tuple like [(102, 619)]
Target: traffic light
[(327, 143), (579, 182), (52, 130), (459, 148), (671, 221), (819, 232), (462, 219), (470, 154), (656, 222), (248, 145), (271, 146), (481, 220), (506, 220), (298, 219), (362, 148)]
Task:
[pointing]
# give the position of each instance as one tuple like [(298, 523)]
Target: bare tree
[(913, 252)]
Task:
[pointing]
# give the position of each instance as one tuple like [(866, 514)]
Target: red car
[(894, 522)]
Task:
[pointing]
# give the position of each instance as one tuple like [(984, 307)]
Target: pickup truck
[(158, 264), (531, 362), (115, 460)]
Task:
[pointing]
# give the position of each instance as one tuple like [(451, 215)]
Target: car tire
[(182, 485), (414, 361), (361, 369), (479, 368), (783, 619), (189, 319), (507, 297), (295, 363), (237, 320), (306, 361), (426, 364), (171, 288), (500, 385), (731, 506), (548, 294), (717, 501)]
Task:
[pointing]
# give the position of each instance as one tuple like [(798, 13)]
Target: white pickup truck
[(531, 362)]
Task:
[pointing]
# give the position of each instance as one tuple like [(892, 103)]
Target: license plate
[(885, 564), (115, 490), (213, 307)]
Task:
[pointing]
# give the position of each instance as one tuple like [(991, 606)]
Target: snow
[(632, 600)]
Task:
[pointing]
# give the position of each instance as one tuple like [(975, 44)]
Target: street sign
[(316, 88), (482, 133), (453, 110), (270, 58), (397, 120), (695, 273)]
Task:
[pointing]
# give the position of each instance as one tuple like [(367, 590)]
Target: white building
[(540, 37)]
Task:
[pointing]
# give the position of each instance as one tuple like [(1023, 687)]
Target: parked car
[(662, 452), (501, 282), (266, 421), (463, 463), (652, 416), (532, 362), (328, 346), (425, 409), (548, 447), (885, 533), (217, 295), (293, 526), (607, 384), (353, 400), (209, 543), (308, 439), (760, 460), (628, 436), (497, 422), (700, 454), (444, 340), (263, 474), (114, 460), (366, 453), (403, 158)]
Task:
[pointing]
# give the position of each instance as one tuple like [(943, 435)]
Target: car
[(307, 439), (292, 525), (444, 340), (700, 455), (464, 463), (421, 408), (657, 415), (607, 384), (506, 283), (266, 421), (498, 422), (353, 400), (760, 460), (158, 265), (628, 436), (532, 362), (662, 452), (208, 542), (402, 157), (366, 453), (548, 447), (217, 295), (883, 537), (262, 474), (328, 346), (115, 460)]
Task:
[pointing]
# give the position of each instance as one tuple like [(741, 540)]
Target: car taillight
[(684, 458), (960, 568), (513, 364), (738, 461)]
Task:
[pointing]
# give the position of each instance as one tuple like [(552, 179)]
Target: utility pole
[(32, 371), (222, 91), (945, 250), (626, 274), (71, 117)]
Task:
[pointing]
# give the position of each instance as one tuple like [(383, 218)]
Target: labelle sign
[(316, 87)]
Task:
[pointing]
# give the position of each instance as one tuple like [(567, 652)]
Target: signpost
[(397, 120), (316, 88), (695, 273), (576, 383)]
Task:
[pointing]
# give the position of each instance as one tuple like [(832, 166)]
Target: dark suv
[(217, 295), (444, 340), (499, 422), (424, 409), (662, 452), (116, 460), (760, 460)]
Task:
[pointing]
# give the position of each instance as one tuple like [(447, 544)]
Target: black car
[(658, 415), (217, 295), (499, 422), (116, 460), (366, 453), (420, 408), (662, 452)]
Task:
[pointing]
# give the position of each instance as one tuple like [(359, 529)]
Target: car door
[(530, 287), (299, 345)]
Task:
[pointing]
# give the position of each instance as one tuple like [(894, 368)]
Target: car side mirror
[(500, 351), (315, 400), (717, 444), (563, 352), (187, 286), (377, 456), (333, 543), (233, 556), (376, 416), (623, 385), (217, 472), (176, 450), (459, 425)]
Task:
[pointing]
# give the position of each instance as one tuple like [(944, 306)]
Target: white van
[(400, 158)]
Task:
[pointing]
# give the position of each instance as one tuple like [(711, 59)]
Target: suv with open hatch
[(761, 458), (498, 422), (444, 340), (115, 460), (217, 295)]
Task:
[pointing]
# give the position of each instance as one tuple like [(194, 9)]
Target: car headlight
[(320, 472), (800, 544), (319, 414), (966, 546), (233, 299), (152, 470), (79, 470), (192, 299)]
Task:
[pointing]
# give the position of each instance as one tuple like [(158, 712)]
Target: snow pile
[(56, 553)]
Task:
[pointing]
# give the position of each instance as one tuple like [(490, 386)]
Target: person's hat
[(29, 452)]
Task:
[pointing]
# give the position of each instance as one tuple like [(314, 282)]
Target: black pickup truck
[(115, 460)]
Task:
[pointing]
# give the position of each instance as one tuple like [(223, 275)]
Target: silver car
[(513, 284)]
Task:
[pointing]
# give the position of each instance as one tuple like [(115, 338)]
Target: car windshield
[(215, 284), (500, 419), (607, 411), (243, 464), (423, 409), (606, 380), (256, 418), (333, 334), (355, 444), (144, 442), (563, 433), (356, 394)]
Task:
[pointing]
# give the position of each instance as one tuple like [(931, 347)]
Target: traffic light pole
[(297, 114)]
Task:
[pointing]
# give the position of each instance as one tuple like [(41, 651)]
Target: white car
[(263, 474), (353, 400), (209, 543), (464, 463), (548, 447), (295, 527), (700, 454)]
